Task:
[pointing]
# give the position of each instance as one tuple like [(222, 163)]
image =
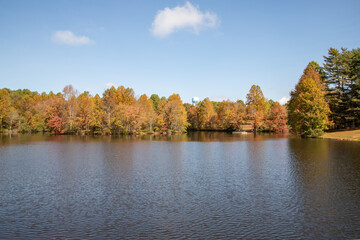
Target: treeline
[(258, 114), (118, 111), (327, 97)]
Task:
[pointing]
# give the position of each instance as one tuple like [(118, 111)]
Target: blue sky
[(208, 48)]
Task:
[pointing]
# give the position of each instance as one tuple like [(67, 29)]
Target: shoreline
[(349, 135)]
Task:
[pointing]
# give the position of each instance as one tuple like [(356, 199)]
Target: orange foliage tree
[(278, 118), (147, 113), (192, 118)]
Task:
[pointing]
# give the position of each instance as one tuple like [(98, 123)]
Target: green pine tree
[(342, 74)]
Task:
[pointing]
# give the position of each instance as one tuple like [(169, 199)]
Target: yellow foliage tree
[(256, 106)]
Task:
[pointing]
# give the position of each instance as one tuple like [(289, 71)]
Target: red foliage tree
[(56, 117)]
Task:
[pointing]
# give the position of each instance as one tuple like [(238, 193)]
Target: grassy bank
[(353, 135)]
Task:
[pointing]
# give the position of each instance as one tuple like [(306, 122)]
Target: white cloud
[(284, 100), (109, 85), (69, 38), (170, 20)]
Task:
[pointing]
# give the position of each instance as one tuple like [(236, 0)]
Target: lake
[(201, 185)]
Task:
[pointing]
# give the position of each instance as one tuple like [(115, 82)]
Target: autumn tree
[(13, 116), (56, 116), (109, 104), (206, 114), (96, 115), (32, 115), (230, 115), (175, 115), (187, 106), (24, 101), (277, 121), (147, 113), (37, 110), (125, 96), (4, 106), (160, 117), (85, 107), (70, 95), (256, 106), (268, 106), (127, 119), (192, 118), (216, 105), (307, 109), (319, 70)]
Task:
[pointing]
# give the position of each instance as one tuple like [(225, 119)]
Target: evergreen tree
[(342, 82), (334, 85), (351, 68)]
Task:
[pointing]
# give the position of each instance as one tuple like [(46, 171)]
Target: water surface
[(200, 186)]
